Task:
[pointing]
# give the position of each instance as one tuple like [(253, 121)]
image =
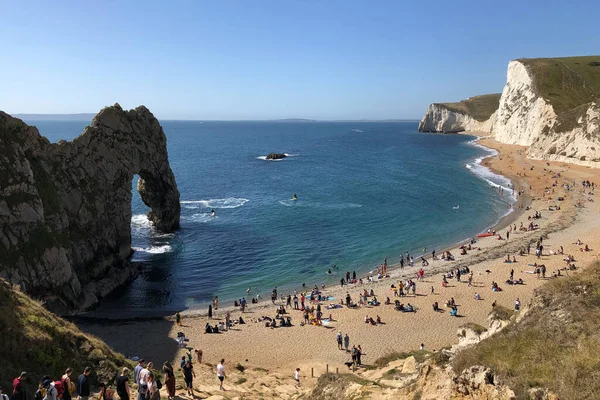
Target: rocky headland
[(551, 105), (65, 208)]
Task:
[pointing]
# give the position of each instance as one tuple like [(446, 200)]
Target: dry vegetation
[(478, 107), (37, 341), (566, 82), (555, 346)]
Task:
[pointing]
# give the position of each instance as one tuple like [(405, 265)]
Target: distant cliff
[(65, 208), (551, 105), (474, 114)]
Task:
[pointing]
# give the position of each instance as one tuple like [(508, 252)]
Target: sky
[(254, 59)]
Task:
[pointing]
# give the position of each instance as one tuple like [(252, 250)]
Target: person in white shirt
[(221, 373), (297, 375), (143, 375)]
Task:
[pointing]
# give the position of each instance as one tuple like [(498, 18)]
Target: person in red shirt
[(18, 392)]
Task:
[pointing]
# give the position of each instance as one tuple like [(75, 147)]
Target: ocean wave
[(483, 172), (202, 217), (140, 221), (161, 249), (229, 202), (303, 203)]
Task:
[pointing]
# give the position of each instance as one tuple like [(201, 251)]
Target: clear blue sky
[(275, 59)]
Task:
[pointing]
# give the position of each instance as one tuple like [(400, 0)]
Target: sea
[(366, 191)]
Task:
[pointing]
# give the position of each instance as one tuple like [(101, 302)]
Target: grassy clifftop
[(34, 340), (478, 107), (566, 82), (556, 345)]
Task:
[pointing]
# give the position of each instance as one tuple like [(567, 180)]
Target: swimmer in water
[(295, 197), (212, 213), (329, 271)]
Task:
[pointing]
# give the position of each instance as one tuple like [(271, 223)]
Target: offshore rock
[(65, 208), (276, 156)]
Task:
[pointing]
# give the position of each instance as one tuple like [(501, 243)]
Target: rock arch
[(65, 208)]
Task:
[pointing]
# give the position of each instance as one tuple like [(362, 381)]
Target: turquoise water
[(365, 191)]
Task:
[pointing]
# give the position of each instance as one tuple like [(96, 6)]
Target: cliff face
[(440, 118), (550, 105), (65, 208), (531, 114)]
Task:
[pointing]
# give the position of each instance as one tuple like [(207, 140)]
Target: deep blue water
[(365, 191)]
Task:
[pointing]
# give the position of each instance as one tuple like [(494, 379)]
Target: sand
[(284, 349)]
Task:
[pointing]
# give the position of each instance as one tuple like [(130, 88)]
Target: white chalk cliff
[(440, 118), (528, 116)]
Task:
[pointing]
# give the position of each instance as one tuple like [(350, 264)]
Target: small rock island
[(275, 156)]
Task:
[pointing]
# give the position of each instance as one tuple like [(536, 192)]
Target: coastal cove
[(366, 191)]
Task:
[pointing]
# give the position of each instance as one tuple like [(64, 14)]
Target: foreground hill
[(551, 105), (37, 341)]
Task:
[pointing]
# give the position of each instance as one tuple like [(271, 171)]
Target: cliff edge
[(65, 208), (551, 105), (474, 114)]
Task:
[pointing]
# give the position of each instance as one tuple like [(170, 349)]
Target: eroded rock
[(65, 208)]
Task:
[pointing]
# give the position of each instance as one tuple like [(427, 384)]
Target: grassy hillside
[(34, 340), (555, 346), (566, 82), (478, 107)]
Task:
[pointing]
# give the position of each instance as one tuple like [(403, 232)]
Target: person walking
[(169, 379), (66, 383), (122, 384), (221, 373), (346, 342), (136, 371), (178, 319), (83, 384), (188, 375), (210, 311), (18, 387), (339, 339), (153, 392)]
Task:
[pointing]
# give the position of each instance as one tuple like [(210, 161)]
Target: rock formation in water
[(275, 156), (65, 208), (551, 105)]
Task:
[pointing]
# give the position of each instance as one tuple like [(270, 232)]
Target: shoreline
[(200, 308), (307, 346)]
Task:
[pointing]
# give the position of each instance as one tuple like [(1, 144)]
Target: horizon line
[(85, 116)]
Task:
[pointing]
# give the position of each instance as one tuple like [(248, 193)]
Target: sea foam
[(229, 202)]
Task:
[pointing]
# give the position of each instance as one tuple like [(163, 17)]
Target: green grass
[(502, 313), (37, 341), (566, 82), (556, 345), (478, 329), (333, 386), (478, 107), (419, 355)]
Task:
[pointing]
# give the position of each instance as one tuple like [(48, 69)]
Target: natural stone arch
[(65, 208)]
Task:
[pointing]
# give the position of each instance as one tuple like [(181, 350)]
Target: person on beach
[(339, 339), (346, 342), (178, 319), (188, 376), (169, 379), (297, 375), (122, 384), (221, 373), (198, 355), (210, 311), (216, 303), (517, 304)]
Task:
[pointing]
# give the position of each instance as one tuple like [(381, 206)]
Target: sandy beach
[(286, 348)]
